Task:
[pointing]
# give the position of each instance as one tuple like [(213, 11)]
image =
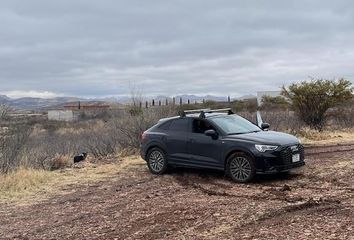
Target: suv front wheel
[(241, 167), (157, 161)]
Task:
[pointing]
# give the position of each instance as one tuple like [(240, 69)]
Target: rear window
[(179, 125), (165, 125), (200, 126)]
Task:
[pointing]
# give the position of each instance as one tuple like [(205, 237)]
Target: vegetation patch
[(25, 186), (22, 182), (313, 137)]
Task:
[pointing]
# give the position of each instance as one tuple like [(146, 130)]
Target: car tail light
[(143, 136)]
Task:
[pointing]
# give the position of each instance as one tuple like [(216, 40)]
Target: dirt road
[(314, 203)]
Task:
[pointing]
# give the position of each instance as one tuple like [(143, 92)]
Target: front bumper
[(281, 159)]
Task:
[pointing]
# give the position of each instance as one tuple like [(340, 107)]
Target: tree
[(311, 99)]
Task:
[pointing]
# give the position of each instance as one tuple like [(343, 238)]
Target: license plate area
[(296, 158)]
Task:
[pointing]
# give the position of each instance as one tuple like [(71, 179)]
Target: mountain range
[(31, 103)]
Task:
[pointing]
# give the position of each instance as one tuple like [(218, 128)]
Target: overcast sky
[(103, 48)]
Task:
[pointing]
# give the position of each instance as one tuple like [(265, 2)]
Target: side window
[(180, 125), (200, 126)]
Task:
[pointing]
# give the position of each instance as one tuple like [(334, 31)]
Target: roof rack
[(204, 111)]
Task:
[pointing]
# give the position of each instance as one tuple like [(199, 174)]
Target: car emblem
[(294, 148)]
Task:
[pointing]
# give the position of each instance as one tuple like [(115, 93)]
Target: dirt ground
[(315, 202)]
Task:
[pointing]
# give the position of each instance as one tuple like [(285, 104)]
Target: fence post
[(203, 101), (153, 102), (146, 104), (180, 101), (140, 104), (166, 101), (189, 101), (173, 101), (159, 102)]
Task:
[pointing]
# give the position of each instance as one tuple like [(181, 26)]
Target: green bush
[(272, 103), (311, 99), (248, 105)]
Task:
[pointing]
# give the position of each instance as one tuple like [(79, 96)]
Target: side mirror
[(211, 133), (265, 126)]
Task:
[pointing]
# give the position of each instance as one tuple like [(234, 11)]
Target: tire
[(241, 168), (156, 161)]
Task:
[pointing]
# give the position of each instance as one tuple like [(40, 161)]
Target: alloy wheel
[(156, 161), (240, 168)]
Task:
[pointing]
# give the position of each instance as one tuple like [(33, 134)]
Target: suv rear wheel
[(157, 161), (241, 168)]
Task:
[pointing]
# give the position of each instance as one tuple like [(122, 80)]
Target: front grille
[(287, 153)]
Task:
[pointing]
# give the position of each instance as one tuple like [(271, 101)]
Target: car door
[(176, 141), (204, 151)]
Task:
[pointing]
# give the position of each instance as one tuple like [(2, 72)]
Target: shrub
[(12, 145), (4, 111), (311, 100), (249, 105), (59, 162), (272, 103), (130, 128), (135, 110)]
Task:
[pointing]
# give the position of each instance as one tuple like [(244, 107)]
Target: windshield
[(234, 124)]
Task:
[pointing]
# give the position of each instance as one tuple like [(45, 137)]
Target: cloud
[(91, 48)]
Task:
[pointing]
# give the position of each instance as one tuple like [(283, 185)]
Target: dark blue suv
[(219, 139)]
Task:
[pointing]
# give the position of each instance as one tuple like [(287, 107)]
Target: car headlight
[(264, 148)]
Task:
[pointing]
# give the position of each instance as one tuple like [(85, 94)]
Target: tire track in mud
[(134, 184), (285, 213), (312, 150), (201, 184), (323, 204), (277, 189)]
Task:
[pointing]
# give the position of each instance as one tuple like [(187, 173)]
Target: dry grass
[(22, 182), (26, 186), (313, 137), (60, 162)]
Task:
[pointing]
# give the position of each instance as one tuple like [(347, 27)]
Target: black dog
[(80, 157)]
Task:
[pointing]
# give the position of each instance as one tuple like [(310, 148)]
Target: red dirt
[(313, 203)]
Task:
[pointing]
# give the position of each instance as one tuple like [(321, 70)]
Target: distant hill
[(28, 103), (4, 99), (39, 104), (193, 98), (245, 97)]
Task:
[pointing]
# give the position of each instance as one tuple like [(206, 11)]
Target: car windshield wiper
[(237, 133)]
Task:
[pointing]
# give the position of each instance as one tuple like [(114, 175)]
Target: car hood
[(265, 137)]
